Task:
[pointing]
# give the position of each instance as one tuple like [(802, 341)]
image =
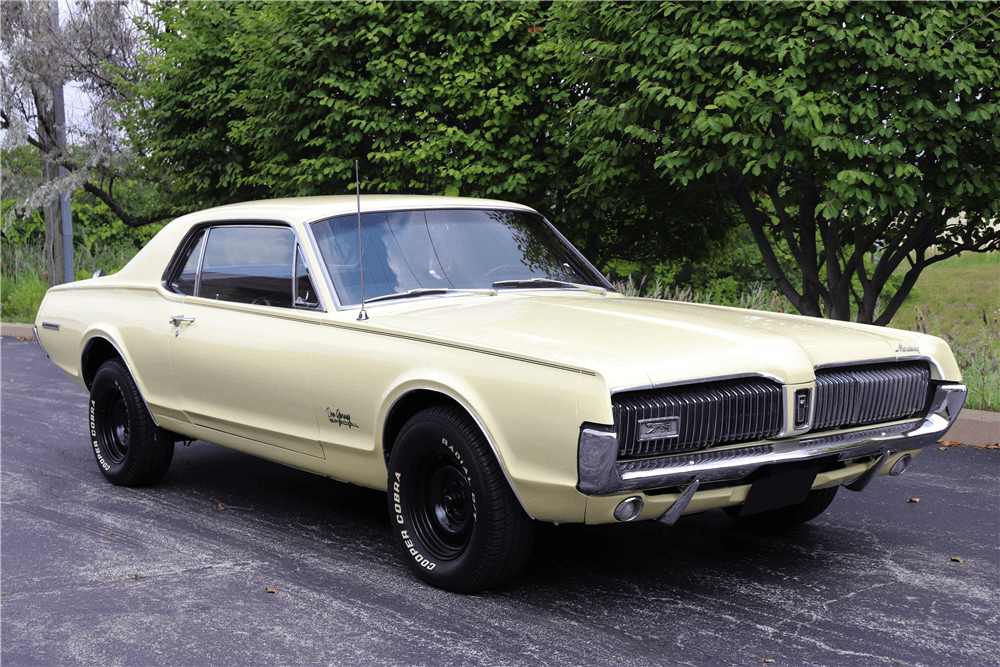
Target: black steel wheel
[(131, 450), (459, 524)]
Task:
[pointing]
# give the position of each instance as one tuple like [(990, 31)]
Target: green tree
[(841, 128), (95, 45), (184, 102), (250, 100)]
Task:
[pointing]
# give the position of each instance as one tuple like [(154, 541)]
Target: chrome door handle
[(177, 319)]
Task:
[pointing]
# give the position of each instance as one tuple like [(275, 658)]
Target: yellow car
[(463, 356)]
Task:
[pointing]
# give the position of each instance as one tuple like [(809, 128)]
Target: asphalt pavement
[(181, 573)]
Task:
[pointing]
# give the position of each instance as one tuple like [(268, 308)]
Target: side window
[(305, 291), (249, 265), (185, 281)]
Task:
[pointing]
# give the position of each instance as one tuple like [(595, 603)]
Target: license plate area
[(780, 489)]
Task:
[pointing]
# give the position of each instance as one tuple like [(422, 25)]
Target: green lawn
[(954, 299), (959, 300)]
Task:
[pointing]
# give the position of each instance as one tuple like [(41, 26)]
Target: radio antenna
[(361, 247)]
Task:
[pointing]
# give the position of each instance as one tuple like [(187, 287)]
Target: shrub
[(25, 273), (19, 300)]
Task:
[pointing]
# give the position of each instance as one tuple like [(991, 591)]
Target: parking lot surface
[(180, 573)]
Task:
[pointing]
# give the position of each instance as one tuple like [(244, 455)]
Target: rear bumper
[(602, 474)]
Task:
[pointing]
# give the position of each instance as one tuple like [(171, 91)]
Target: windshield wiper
[(548, 282), (424, 291)]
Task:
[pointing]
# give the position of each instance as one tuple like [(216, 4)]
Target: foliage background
[(797, 156), (834, 128)]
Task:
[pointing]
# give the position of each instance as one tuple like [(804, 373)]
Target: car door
[(243, 342)]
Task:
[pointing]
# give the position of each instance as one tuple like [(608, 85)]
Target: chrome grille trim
[(714, 413), (602, 474), (711, 456), (861, 395)]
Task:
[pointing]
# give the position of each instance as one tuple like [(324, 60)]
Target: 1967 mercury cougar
[(483, 373)]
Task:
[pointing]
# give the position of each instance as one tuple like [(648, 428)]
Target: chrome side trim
[(602, 474), (50, 325), (34, 330)]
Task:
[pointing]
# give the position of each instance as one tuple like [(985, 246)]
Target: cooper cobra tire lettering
[(130, 449), (93, 440), (407, 542)]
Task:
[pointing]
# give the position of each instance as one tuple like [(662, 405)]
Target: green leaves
[(828, 123), (278, 99), (638, 128)]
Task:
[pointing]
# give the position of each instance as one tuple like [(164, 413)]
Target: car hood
[(634, 342)]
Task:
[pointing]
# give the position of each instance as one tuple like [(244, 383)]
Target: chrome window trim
[(207, 227), (604, 281), (317, 257), (339, 305), (201, 262), (300, 252)]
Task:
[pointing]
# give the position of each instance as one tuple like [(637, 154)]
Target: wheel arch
[(98, 350), (412, 402)]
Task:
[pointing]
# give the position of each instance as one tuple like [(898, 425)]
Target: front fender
[(529, 417)]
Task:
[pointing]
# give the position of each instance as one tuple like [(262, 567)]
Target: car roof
[(308, 209)]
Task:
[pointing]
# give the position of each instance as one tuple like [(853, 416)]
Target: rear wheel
[(131, 450), (459, 524), (785, 517)]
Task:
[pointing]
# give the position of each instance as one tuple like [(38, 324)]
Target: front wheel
[(131, 450), (459, 524)]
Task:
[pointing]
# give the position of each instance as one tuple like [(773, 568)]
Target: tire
[(131, 450), (457, 520), (783, 518)]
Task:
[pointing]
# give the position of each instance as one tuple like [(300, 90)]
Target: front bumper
[(602, 474)]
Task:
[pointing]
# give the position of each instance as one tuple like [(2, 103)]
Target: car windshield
[(413, 251)]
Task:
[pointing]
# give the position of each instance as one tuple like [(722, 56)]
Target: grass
[(959, 300), (25, 274), (961, 295)]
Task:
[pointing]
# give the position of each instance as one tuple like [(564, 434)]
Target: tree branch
[(119, 211)]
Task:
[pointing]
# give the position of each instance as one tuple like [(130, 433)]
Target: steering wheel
[(495, 269)]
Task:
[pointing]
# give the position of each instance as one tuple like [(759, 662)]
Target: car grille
[(858, 395), (747, 410), (708, 414)]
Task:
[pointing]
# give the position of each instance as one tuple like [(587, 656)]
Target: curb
[(978, 428), (974, 427), (17, 330)]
